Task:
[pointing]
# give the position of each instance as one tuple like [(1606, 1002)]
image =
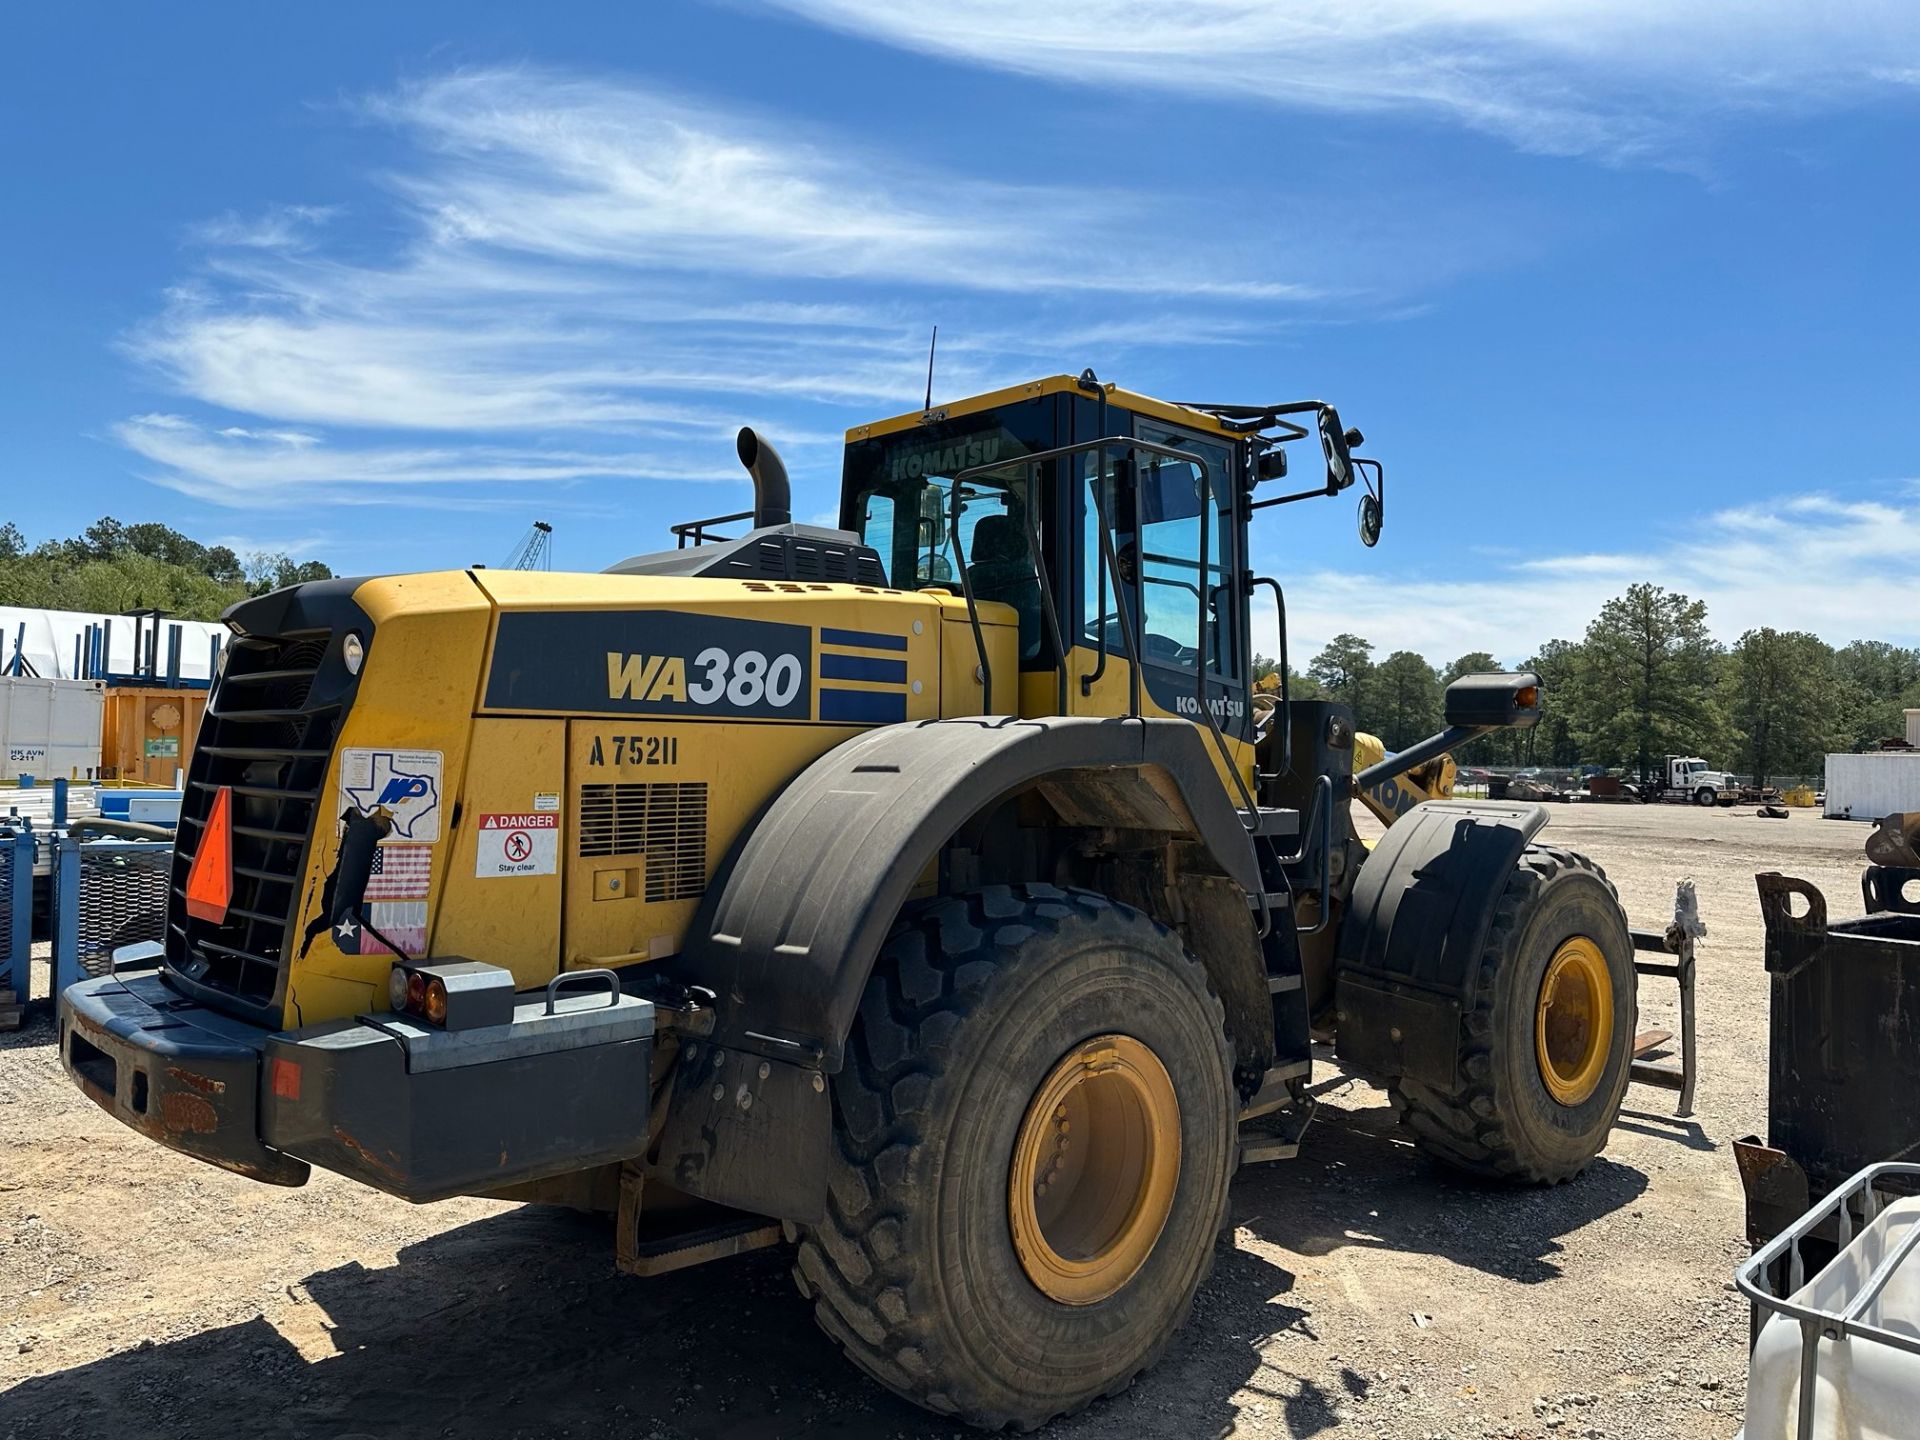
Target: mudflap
[(749, 1132)]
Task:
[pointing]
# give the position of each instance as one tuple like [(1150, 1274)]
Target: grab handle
[(612, 982)]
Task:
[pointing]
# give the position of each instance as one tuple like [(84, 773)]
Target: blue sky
[(1617, 293)]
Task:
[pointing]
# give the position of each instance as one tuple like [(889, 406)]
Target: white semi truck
[(1686, 777)]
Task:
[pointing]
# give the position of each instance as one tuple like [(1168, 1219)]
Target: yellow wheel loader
[(927, 893)]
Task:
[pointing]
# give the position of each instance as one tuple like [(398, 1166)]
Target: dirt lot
[(143, 1294)]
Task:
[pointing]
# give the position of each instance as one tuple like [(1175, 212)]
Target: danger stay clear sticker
[(524, 844)]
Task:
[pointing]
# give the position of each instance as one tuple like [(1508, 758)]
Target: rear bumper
[(422, 1114), (177, 1072)]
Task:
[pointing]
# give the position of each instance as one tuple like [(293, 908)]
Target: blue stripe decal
[(862, 667), (865, 707), (863, 639)]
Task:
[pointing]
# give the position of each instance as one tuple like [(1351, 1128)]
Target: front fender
[(1411, 937)]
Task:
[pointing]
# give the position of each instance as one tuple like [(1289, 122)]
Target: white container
[(49, 729), (1850, 1335), (1865, 787), (53, 640)]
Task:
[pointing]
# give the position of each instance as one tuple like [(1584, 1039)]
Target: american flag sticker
[(400, 872), (403, 922)]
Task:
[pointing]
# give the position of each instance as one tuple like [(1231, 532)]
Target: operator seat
[(1002, 569)]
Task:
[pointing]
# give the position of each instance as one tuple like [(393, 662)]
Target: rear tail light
[(455, 995)]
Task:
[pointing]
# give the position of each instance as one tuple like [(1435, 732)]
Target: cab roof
[(1050, 385)]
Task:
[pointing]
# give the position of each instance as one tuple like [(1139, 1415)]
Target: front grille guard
[(270, 728)]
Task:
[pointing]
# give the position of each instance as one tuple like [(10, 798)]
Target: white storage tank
[(49, 729), (1865, 787)]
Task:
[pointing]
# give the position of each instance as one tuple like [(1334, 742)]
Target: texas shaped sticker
[(404, 783)]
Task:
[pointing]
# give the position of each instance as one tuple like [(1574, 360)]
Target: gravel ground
[(143, 1294)]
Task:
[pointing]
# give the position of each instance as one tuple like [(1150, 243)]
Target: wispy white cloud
[(587, 266), (1838, 567), (1620, 79), (272, 469), (283, 227)]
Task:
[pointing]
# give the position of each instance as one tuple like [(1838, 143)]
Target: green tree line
[(112, 568), (1645, 681)]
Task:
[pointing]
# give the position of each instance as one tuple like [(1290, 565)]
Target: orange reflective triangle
[(210, 881)]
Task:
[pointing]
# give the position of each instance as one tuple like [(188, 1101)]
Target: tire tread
[(851, 1265), (1465, 1129)]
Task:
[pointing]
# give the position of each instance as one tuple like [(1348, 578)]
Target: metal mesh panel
[(666, 822), (123, 900), (7, 904)]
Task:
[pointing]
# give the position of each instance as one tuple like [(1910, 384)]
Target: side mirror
[(1333, 441), (1371, 519), (1272, 465), (1494, 702)]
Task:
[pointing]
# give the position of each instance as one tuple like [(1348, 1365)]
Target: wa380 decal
[(651, 662), (743, 679)]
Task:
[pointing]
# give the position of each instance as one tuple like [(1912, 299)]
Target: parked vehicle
[(1687, 777)]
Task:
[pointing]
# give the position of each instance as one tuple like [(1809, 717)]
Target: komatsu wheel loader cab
[(935, 893)]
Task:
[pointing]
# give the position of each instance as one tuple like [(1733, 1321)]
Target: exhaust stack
[(772, 498)]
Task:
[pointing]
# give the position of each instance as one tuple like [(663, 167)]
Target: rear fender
[(796, 914)]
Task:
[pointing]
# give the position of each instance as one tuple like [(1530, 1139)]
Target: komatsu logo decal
[(949, 459), (651, 662)]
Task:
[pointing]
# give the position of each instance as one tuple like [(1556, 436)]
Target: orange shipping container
[(147, 733)]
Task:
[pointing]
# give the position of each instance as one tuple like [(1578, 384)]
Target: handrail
[(1285, 717), (695, 531), (1041, 578), (973, 606)]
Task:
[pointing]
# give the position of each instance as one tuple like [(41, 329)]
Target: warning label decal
[(526, 844)]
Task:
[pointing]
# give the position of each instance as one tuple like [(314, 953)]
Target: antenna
[(930, 349)]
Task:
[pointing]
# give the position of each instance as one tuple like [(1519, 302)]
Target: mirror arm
[(1419, 754), (1289, 499)]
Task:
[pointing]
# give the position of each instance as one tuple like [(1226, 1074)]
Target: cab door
[(1152, 578)]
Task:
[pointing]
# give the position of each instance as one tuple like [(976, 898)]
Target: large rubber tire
[(1504, 1123), (974, 1000)]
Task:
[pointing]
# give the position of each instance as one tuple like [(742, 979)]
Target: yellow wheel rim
[(1094, 1169), (1573, 1021)]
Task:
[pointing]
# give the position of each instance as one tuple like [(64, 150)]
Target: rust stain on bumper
[(383, 1165), (188, 1114), (205, 1084)]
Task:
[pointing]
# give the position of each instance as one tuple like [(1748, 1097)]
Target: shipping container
[(49, 729), (147, 733), (1865, 787)]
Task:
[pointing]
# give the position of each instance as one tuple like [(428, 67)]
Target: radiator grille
[(264, 739), (667, 823)]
